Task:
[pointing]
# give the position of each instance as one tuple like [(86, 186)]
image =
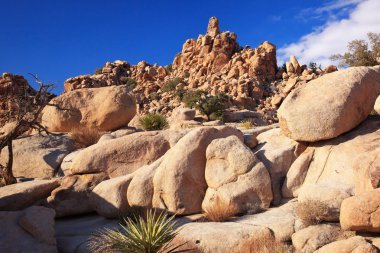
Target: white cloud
[(333, 37)]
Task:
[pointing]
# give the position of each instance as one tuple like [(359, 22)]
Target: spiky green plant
[(150, 235)]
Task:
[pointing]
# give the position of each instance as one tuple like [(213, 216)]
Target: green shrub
[(154, 96), (171, 85), (129, 82), (247, 124), (98, 71), (151, 122), (150, 235), (211, 106)]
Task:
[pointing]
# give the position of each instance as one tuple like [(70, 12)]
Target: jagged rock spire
[(213, 27)]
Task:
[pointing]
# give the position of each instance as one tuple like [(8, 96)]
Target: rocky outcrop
[(350, 245), (235, 178), (15, 94), (179, 182), (361, 212), (126, 154), (21, 195), (30, 230), (106, 108), (38, 156), (332, 104)]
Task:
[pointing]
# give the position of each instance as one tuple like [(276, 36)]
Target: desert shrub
[(171, 84), (312, 212), (211, 106), (98, 71), (129, 82), (247, 124), (314, 66), (360, 53), (85, 136), (150, 235), (154, 96), (153, 121), (219, 211), (180, 93)]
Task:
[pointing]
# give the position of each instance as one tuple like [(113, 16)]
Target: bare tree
[(24, 116)]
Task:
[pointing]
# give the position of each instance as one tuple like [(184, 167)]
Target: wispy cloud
[(276, 18), (334, 35)]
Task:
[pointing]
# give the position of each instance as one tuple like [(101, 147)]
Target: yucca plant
[(150, 235)]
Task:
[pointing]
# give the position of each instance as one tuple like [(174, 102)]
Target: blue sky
[(62, 39)]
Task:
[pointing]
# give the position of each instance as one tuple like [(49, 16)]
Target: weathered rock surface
[(235, 177), (330, 105), (21, 195), (377, 105), (356, 244), (73, 233), (109, 198), (361, 212), (126, 154), (38, 156), (141, 189), (310, 239), (277, 152), (210, 237), (349, 163), (72, 196), (30, 230), (106, 108), (179, 181)]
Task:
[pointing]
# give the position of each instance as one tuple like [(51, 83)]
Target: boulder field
[(308, 184)]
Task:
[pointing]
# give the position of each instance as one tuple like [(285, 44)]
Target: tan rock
[(179, 183), (277, 152), (330, 68), (309, 239), (313, 113), (72, 196), (30, 230), (213, 27), (21, 195), (140, 190), (126, 154), (361, 212), (81, 107), (356, 244), (38, 156), (377, 105), (109, 198)]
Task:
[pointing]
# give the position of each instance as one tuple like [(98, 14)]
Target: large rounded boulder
[(106, 108), (330, 105)]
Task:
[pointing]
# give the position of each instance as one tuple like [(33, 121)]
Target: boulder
[(30, 230), (109, 198), (67, 162), (361, 212), (277, 152), (377, 105), (179, 181), (356, 244), (21, 195), (38, 156), (309, 239), (182, 114), (73, 233), (348, 163), (282, 220), (330, 105), (72, 196), (140, 190), (235, 177), (105, 108), (206, 237), (126, 154)]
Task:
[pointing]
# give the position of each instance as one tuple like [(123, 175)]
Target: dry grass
[(312, 212), (265, 244), (219, 211), (247, 124), (84, 136)]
